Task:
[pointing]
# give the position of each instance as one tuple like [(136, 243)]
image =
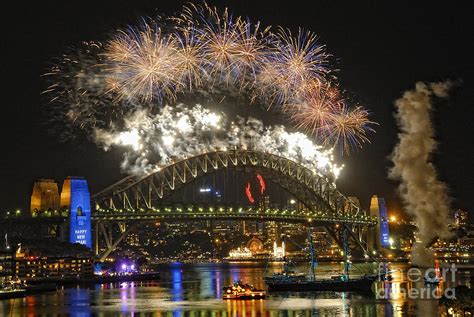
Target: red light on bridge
[(249, 193), (262, 183)]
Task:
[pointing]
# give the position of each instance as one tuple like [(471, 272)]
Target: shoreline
[(51, 284), (95, 279)]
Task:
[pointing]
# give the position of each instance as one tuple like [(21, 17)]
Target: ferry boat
[(238, 290)]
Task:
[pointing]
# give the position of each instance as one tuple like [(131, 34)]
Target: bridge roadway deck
[(196, 214), (189, 214)]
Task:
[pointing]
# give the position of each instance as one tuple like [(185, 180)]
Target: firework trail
[(324, 114), (204, 50), (424, 195), (175, 133)]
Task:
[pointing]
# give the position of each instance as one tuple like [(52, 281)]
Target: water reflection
[(196, 290), (176, 284)]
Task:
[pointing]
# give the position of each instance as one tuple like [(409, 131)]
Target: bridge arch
[(134, 199), (316, 191)]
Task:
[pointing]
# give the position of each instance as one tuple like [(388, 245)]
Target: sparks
[(203, 49)]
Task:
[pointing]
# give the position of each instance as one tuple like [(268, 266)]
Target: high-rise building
[(273, 230), (45, 196), (379, 237)]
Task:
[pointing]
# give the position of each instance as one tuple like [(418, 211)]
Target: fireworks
[(144, 65), (207, 49), (324, 114), (178, 132)]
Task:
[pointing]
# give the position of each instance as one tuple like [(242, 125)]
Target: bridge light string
[(203, 50), (153, 141)]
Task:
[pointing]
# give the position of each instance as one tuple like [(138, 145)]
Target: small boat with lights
[(238, 290)]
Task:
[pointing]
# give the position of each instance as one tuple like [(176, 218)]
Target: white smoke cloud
[(152, 141), (424, 196)]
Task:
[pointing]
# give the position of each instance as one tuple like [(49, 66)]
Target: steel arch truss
[(144, 196)]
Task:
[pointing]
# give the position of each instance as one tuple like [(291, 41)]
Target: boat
[(335, 284), (12, 293), (238, 290), (11, 290), (291, 281), (41, 288)]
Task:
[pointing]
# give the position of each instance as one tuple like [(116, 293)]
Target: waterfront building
[(27, 265), (7, 264), (240, 254), (45, 196), (255, 246), (278, 252), (33, 266)]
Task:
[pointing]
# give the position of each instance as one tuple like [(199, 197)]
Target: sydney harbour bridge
[(162, 196)]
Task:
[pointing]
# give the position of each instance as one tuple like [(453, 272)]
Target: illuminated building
[(273, 230), (323, 243), (292, 228), (468, 239), (7, 264), (240, 254), (33, 266), (45, 196), (75, 196), (278, 252), (133, 239), (379, 236), (27, 265), (255, 245)]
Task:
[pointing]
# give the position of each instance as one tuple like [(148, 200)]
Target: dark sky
[(381, 47)]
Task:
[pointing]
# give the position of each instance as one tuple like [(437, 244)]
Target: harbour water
[(196, 290)]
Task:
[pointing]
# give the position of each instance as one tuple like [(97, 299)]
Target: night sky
[(381, 50)]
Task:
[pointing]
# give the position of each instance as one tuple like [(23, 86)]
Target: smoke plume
[(424, 196)]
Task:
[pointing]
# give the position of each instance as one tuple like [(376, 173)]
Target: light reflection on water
[(196, 290)]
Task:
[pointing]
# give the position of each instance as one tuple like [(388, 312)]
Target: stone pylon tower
[(75, 197), (379, 235), (45, 196)]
